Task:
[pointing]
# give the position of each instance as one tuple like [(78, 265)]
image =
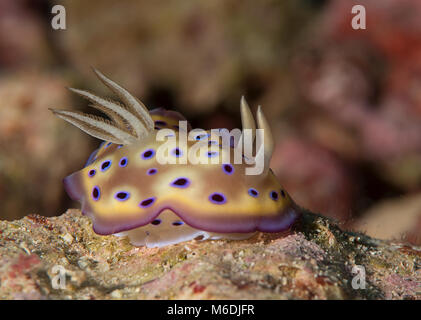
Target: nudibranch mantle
[(126, 191)]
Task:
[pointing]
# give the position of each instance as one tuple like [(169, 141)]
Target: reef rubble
[(62, 258)]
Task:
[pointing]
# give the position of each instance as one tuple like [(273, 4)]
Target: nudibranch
[(128, 191)]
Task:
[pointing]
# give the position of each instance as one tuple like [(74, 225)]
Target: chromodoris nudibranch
[(126, 191)]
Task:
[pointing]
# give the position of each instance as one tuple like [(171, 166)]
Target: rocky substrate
[(314, 261)]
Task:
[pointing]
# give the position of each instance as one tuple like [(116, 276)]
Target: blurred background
[(344, 104)]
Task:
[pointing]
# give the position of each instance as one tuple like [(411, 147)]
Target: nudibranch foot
[(169, 229)]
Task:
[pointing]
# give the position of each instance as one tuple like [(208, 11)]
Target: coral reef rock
[(62, 258)]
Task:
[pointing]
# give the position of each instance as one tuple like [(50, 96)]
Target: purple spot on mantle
[(228, 168), (217, 198), (156, 222), (147, 154), (123, 162), (96, 193), (202, 136), (176, 152), (274, 195), (212, 154), (253, 192), (105, 165), (181, 182), (160, 123), (151, 171), (122, 196), (147, 202)]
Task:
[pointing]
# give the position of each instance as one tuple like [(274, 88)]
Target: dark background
[(344, 104)]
